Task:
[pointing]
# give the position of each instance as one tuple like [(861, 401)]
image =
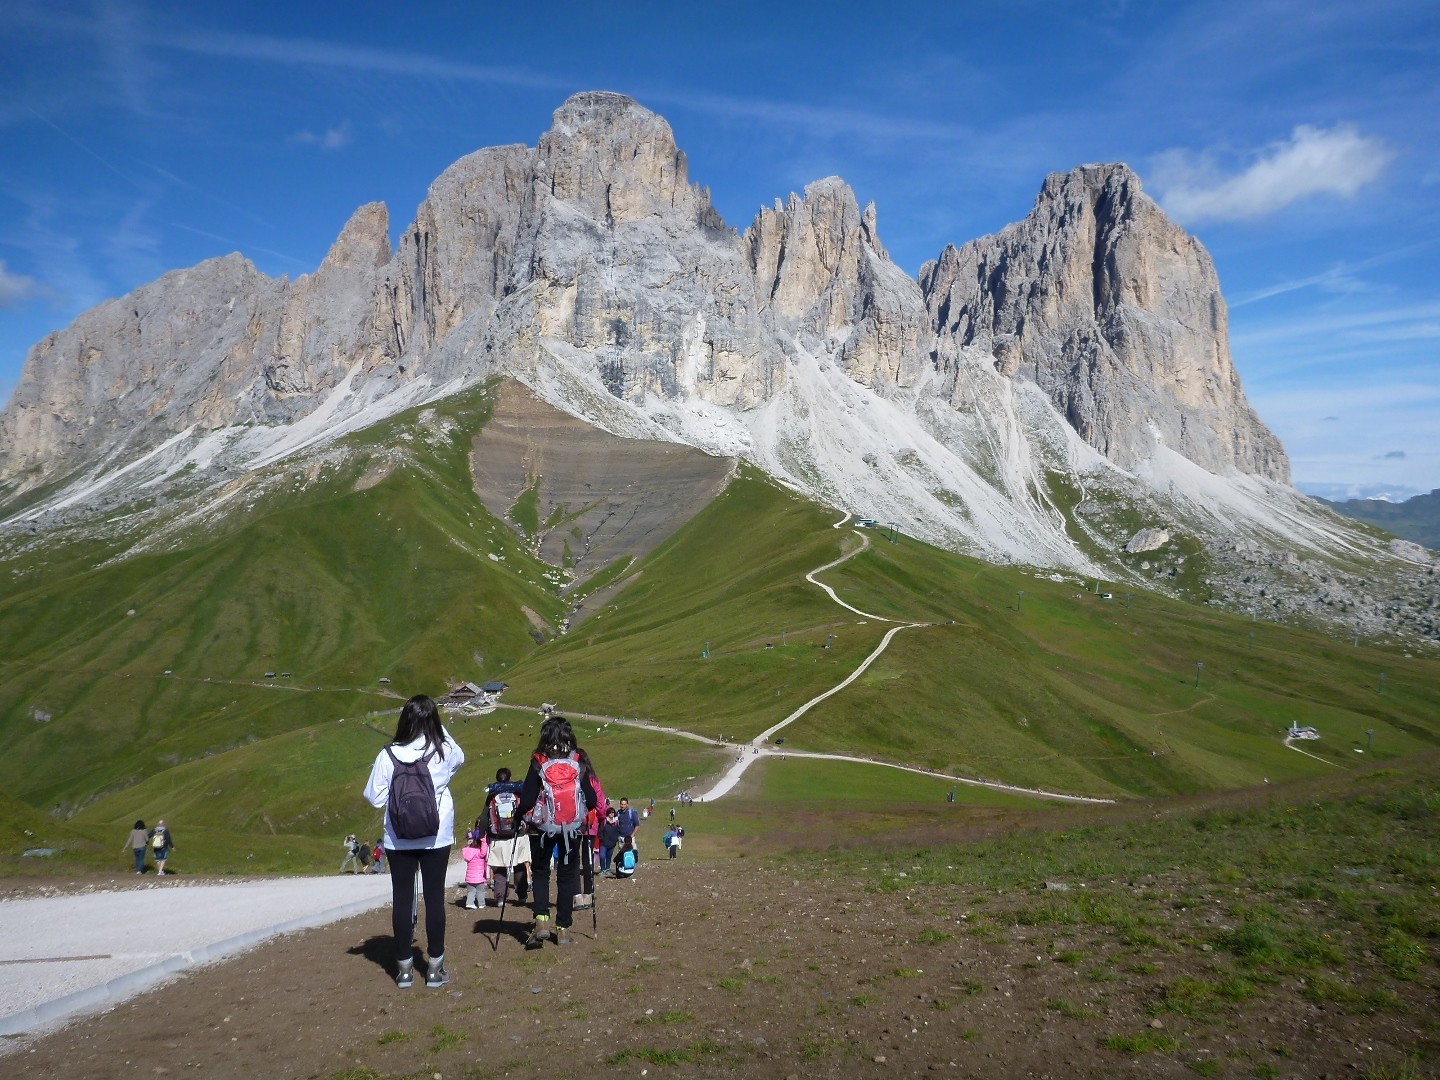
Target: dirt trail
[(742, 968)]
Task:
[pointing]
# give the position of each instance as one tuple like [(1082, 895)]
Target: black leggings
[(567, 875), (432, 863)]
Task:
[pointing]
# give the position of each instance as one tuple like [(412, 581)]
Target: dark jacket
[(609, 834)]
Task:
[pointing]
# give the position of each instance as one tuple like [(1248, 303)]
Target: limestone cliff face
[(620, 256), (592, 255), (330, 323), (180, 348), (819, 268), (1116, 313)]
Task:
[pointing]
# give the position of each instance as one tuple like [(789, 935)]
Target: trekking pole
[(595, 904), (587, 852), (509, 884)]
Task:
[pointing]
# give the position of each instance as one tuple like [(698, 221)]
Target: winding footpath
[(758, 747)]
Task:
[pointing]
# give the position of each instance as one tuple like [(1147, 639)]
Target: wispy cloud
[(312, 53), (1402, 320), (231, 244), (332, 138), (17, 289), (1313, 161), (322, 54), (1340, 278)]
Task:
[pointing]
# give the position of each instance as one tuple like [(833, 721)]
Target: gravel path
[(87, 951)]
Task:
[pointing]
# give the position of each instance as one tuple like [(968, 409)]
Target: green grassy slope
[(335, 585), (339, 581), (1070, 692)]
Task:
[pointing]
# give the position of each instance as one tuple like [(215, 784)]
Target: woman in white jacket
[(419, 735)]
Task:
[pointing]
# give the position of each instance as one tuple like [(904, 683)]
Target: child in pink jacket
[(474, 852)]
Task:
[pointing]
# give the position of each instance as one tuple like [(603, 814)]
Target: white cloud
[(334, 138), (15, 289), (1313, 161)]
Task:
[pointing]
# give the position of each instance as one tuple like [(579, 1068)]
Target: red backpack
[(560, 809)]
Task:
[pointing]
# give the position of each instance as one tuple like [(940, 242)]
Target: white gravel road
[(84, 952)]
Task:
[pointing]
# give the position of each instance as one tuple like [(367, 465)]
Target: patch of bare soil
[(729, 969), (599, 497)]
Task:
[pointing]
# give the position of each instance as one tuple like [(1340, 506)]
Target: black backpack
[(413, 809)]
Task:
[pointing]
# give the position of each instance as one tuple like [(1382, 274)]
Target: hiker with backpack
[(411, 780), (629, 821), (162, 842), (558, 791), (352, 856), (625, 858), (509, 853)]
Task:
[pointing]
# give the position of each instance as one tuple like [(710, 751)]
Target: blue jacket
[(629, 821)]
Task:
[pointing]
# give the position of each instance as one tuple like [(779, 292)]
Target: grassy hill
[(1059, 688), (136, 685)]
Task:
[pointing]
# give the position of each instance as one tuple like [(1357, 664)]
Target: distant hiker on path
[(411, 779), (138, 842), (352, 856), (559, 788), (162, 842), (377, 856)]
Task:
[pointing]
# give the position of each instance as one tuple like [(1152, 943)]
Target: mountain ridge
[(965, 404)]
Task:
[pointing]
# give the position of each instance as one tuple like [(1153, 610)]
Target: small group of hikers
[(363, 858), (158, 841), (546, 815)]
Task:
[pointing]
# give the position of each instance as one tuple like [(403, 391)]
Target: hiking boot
[(562, 936), (437, 975), (406, 978), (539, 932)]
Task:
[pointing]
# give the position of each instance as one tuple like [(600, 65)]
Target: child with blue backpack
[(625, 858)]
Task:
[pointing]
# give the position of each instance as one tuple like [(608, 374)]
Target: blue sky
[(1298, 140)]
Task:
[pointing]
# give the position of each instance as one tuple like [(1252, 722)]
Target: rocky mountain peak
[(364, 242), (615, 158), (1116, 313)]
